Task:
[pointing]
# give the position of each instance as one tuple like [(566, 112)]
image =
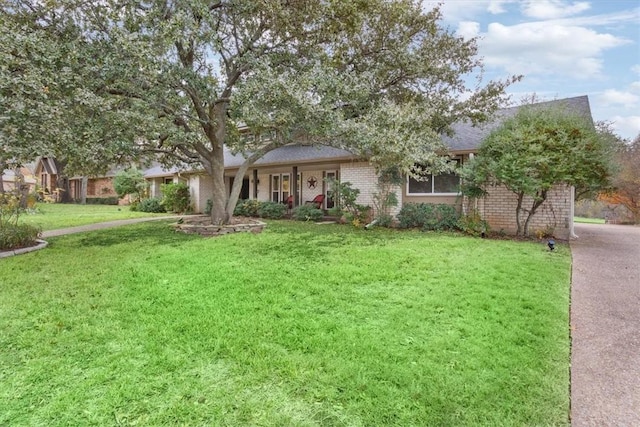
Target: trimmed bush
[(473, 224), (152, 205), (428, 216), (15, 236), (307, 213), (175, 197), (247, 208), (271, 210)]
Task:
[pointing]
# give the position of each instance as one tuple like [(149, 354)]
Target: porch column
[(294, 183), (255, 184)]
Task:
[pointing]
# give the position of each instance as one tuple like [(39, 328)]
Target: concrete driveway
[(605, 326)]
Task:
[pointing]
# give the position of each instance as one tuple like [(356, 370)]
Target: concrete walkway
[(101, 225), (605, 326)]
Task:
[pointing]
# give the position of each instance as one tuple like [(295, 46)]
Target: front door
[(329, 200)]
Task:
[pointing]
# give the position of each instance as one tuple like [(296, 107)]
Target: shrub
[(15, 236), (102, 200), (130, 181), (271, 210), (384, 220), (428, 216), (247, 208), (307, 213), (152, 204), (473, 224), (358, 215), (209, 207), (176, 197)]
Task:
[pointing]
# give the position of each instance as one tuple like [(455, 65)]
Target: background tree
[(183, 79), (626, 182), (130, 181), (537, 149), (46, 107)]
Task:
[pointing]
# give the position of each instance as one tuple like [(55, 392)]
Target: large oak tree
[(183, 80)]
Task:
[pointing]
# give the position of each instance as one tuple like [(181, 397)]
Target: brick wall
[(100, 187), (499, 209), (362, 175)]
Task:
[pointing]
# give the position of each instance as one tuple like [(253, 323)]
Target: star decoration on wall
[(312, 181)]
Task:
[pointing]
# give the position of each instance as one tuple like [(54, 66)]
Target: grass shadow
[(153, 233)]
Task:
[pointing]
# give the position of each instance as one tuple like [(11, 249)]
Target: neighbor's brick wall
[(499, 210), (100, 187)]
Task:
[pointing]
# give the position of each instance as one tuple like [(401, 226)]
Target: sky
[(562, 48)]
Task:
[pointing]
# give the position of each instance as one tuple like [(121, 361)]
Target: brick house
[(301, 171), (12, 178), (55, 186)]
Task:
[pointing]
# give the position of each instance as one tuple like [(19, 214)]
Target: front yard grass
[(51, 216), (588, 220), (301, 325)]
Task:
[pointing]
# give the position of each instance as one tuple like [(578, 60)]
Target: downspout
[(572, 206)]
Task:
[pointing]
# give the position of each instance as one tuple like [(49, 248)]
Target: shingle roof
[(283, 155), (292, 154), (467, 137)]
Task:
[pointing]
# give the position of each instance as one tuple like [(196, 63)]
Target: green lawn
[(588, 220), (51, 216), (301, 325)]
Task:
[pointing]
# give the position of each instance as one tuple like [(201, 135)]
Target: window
[(280, 187), (447, 183)]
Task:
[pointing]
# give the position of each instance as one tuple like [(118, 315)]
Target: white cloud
[(468, 29), (547, 48), (552, 9), (460, 10), (627, 126), (635, 87), (616, 97), (636, 68), (496, 6)]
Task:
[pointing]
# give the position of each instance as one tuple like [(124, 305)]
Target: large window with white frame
[(280, 187), (435, 184)]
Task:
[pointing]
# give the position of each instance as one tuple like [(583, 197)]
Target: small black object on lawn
[(552, 244)]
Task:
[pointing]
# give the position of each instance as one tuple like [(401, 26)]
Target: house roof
[(467, 138), (9, 175), (283, 155), (292, 154)]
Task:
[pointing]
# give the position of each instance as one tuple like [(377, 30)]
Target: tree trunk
[(63, 189), (83, 190), (20, 188), (537, 202), (237, 185), (219, 192), (3, 166), (518, 212)]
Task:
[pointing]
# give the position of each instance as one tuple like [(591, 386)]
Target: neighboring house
[(301, 171), (53, 183), (10, 179)]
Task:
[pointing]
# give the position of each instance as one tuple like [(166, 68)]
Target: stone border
[(41, 245), (219, 230)]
